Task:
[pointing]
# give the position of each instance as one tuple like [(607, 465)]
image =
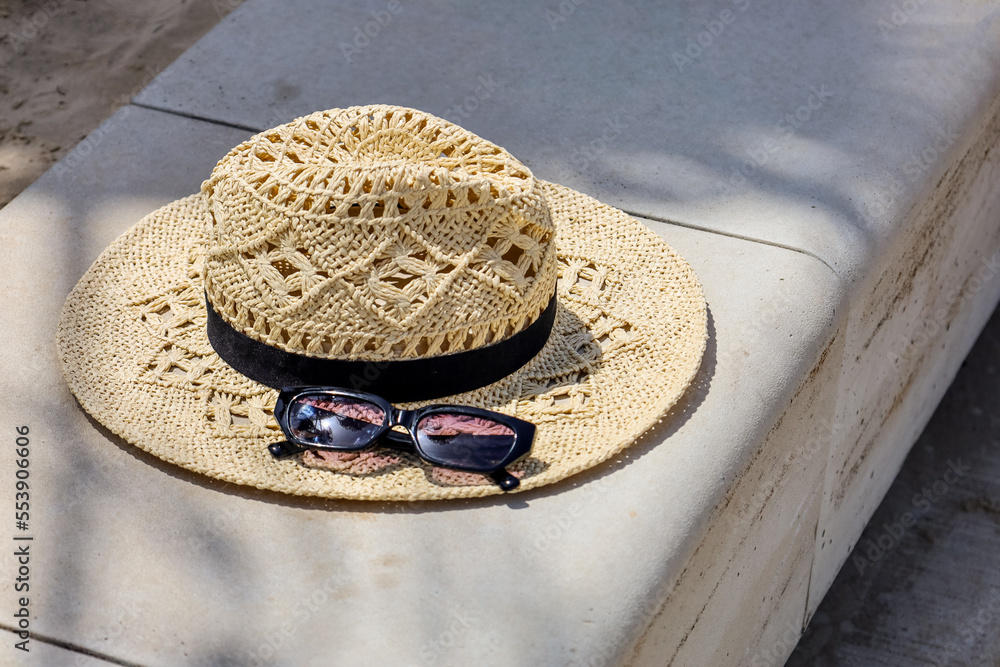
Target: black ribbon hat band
[(400, 380)]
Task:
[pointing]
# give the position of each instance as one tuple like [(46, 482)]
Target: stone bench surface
[(814, 126), (548, 574), (147, 563)]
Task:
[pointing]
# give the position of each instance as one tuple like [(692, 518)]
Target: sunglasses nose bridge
[(403, 418)]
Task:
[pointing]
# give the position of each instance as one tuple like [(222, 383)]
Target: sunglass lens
[(334, 421), (464, 441)]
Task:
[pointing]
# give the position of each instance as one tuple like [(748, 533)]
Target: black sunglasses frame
[(385, 436)]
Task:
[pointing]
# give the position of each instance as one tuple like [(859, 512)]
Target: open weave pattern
[(629, 334), (376, 233)]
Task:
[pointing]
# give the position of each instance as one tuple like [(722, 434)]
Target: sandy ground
[(66, 65)]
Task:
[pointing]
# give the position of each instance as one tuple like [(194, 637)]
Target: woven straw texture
[(376, 233), (628, 339)]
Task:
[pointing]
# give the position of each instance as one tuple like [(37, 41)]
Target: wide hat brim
[(628, 339)]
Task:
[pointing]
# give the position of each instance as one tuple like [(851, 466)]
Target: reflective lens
[(334, 421), (464, 441)]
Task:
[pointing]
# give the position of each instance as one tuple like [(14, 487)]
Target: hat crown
[(376, 233)]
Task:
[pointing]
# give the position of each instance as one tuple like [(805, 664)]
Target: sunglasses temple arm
[(284, 449), (505, 480)]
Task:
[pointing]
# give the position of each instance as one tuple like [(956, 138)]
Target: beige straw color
[(379, 233)]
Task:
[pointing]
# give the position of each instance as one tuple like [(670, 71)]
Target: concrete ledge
[(213, 547), (910, 325)]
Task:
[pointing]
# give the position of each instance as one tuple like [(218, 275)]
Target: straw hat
[(365, 242)]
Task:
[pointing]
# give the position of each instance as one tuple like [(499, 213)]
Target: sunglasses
[(450, 436)]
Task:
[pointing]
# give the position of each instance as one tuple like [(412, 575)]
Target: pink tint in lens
[(445, 424), (347, 407), (463, 441)]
